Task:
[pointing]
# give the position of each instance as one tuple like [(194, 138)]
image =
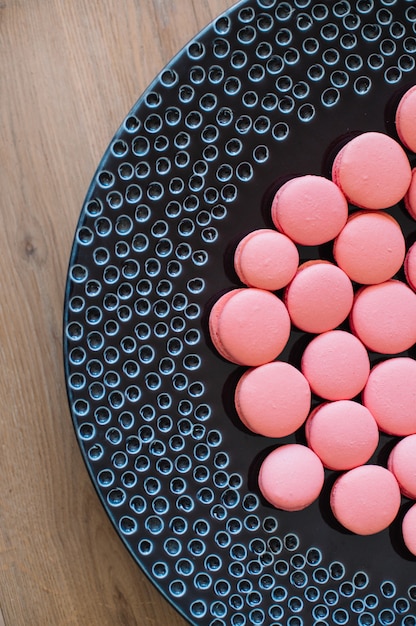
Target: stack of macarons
[(358, 288)]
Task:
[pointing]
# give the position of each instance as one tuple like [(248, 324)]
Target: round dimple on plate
[(184, 174)]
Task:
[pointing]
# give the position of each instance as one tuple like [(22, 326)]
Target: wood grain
[(70, 71)]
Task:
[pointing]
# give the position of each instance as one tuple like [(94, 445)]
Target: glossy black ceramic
[(268, 90)]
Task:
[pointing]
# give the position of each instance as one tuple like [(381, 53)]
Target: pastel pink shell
[(249, 326), (370, 248), (406, 119), (336, 365), (320, 297), (266, 259), (402, 462), (291, 477), (366, 499), (410, 267), (410, 197), (409, 529), (343, 434), (372, 170), (390, 395), (383, 317), (273, 400), (309, 209)]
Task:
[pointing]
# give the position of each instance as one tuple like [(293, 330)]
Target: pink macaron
[(311, 210), (320, 296), (390, 395), (402, 462), (336, 365), (383, 317), (366, 499), (291, 477), (273, 399), (372, 170), (249, 326), (410, 197), (343, 434), (410, 267), (409, 529), (405, 119), (370, 248), (266, 259)]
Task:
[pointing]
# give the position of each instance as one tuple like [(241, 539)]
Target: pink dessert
[(406, 118), (266, 259), (372, 170), (410, 197), (249, 326), (310, 210), (336, 365), (402, 462), (320, 296), (366, 499), (383, 317), (370, 248), (273, 400), (409, 529), (410, 267), (291, 477), (390, 395), (343, 434)]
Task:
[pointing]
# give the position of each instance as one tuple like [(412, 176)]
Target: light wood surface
[(70, 70)]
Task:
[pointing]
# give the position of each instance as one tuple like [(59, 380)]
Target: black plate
[(261, 94)]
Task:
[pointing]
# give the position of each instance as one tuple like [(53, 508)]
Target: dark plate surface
[(261, 94)]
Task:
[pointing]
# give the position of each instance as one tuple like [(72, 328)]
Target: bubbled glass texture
[(263, 91)]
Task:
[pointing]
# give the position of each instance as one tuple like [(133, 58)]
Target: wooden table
[(70, 70)]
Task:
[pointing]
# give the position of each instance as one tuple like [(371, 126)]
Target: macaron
[(249, 326), (291, 477), (336, 365), (410, 267), (273, 399), (366, 499), (390, 395), (383, 317), (409, 529), (343, 434), (372, 170), (370, 248), (402, 462), (406, 119), (410, 197), (309, 209), (266, 259), (319, 297)]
